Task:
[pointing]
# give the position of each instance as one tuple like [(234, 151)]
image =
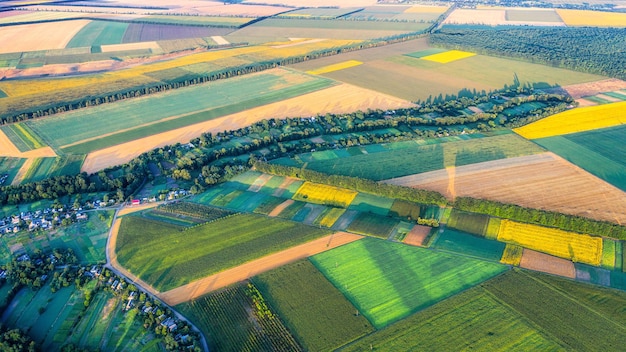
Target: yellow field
[(335, 67), (563, 244), (324, 194), (448, 56), (592, 18), (426, 9), (575, 120), (512, 255), (332, 216), (493, 228)]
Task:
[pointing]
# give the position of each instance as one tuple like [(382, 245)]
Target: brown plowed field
[(211, 283), (542, 181), (417, 235), (537, 261), (281, 207), (342, 98)]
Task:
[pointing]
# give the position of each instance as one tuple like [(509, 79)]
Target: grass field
[(316, 312), (373, 225), (166, 257), (237, 318), (388, 281), (325, 194), (448, 56), (575, 120), (563, 244), (470, 245), (422, 158), (99, 33), (135, 118), (600, 152)]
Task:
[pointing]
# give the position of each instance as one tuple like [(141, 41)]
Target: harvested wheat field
[(211, 283), (342, 98), (38, 36), (7, 148), (417, 235), (537, 261), (542, 181)]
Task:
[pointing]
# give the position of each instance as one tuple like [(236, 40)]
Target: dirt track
[(211, 283)]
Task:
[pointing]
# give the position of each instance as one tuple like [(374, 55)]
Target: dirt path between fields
[(211, 283)]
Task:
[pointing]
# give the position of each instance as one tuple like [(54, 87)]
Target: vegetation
[(512, 254), (561, 47), (195, 210), (238, 319), (314, 310), (372, 225), (388, 281), (466, 244), (166, 257), (468, 222), (324, 194)]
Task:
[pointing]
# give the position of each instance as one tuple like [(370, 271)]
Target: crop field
[(373, 225), (399, 13), (10, 167), (388, 281), (321, 12), (424, 158), (38, 169), (533, 15), (99, 33), (469, 222), (237, 318), (426, 52), (370, 203), (197, 20), (325, 194), (38, 36), (418, 236), (542, 181), (494, 16), (448, 56), (319, 316), (329, 218), (404, 209), (173, 258), (335, 67), (563, 244), (609, 248), (470, 245), (22, 137), (131, 119), (512, 255), (575, 120), (600, 152), (592, 18), (146, 32)]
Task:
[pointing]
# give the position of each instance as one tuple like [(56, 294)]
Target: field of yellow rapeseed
[(512, 254), (575, 120), (331, 217), (335, 67), (576, 247), (448, 56), (592, 18), (324, 194)]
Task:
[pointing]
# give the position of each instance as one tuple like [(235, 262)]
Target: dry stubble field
[(542, 181), (38, 36)]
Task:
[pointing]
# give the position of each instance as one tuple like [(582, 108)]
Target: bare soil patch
[(211, 283), (342, 98), (543, 181), (281, 207), (417, 235), (537, 261)]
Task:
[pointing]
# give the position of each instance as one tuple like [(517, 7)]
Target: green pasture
[(422, 158), (166, 257), (319, 316), (229, 320), (388, 281), (22, 137), (469, 222), (371, 203), (99, 33), (10, 166), (601, 152), (472, 320), (142, 117), (578, 316), (464, 243), (373, 225)]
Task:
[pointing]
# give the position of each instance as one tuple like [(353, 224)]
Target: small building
[(135, 202)]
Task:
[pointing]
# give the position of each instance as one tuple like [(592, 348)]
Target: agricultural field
[(418, 13), (448, 56), (476, 224), (601, 152), (466, 244), (319, 316), (39, 36), (97, 33), (512, 254), (373, 225), (495, 16), (541, 181), (136, 118), (335, 67), (9, 167), (389, 281), (22, 137), (238, 318), (576, 247), (416, 158), (370, 203), (325, 194), (510, 312), (592, 18), (176, 257)]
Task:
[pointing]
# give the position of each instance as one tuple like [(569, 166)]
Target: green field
[(601, 152), (422, 158), (98, 33), (232, 321), (370, 203), (373, 225), (142, 117), (22, 137), (39, 170), (166, 257), (388, 281), (319, 316), (405, 209), (10, 167), (467, 244), (469, 222)]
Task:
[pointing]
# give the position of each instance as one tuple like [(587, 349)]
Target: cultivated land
[(388, 281), (542, 181), (592, 18), (495, 16), (38, 36)]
